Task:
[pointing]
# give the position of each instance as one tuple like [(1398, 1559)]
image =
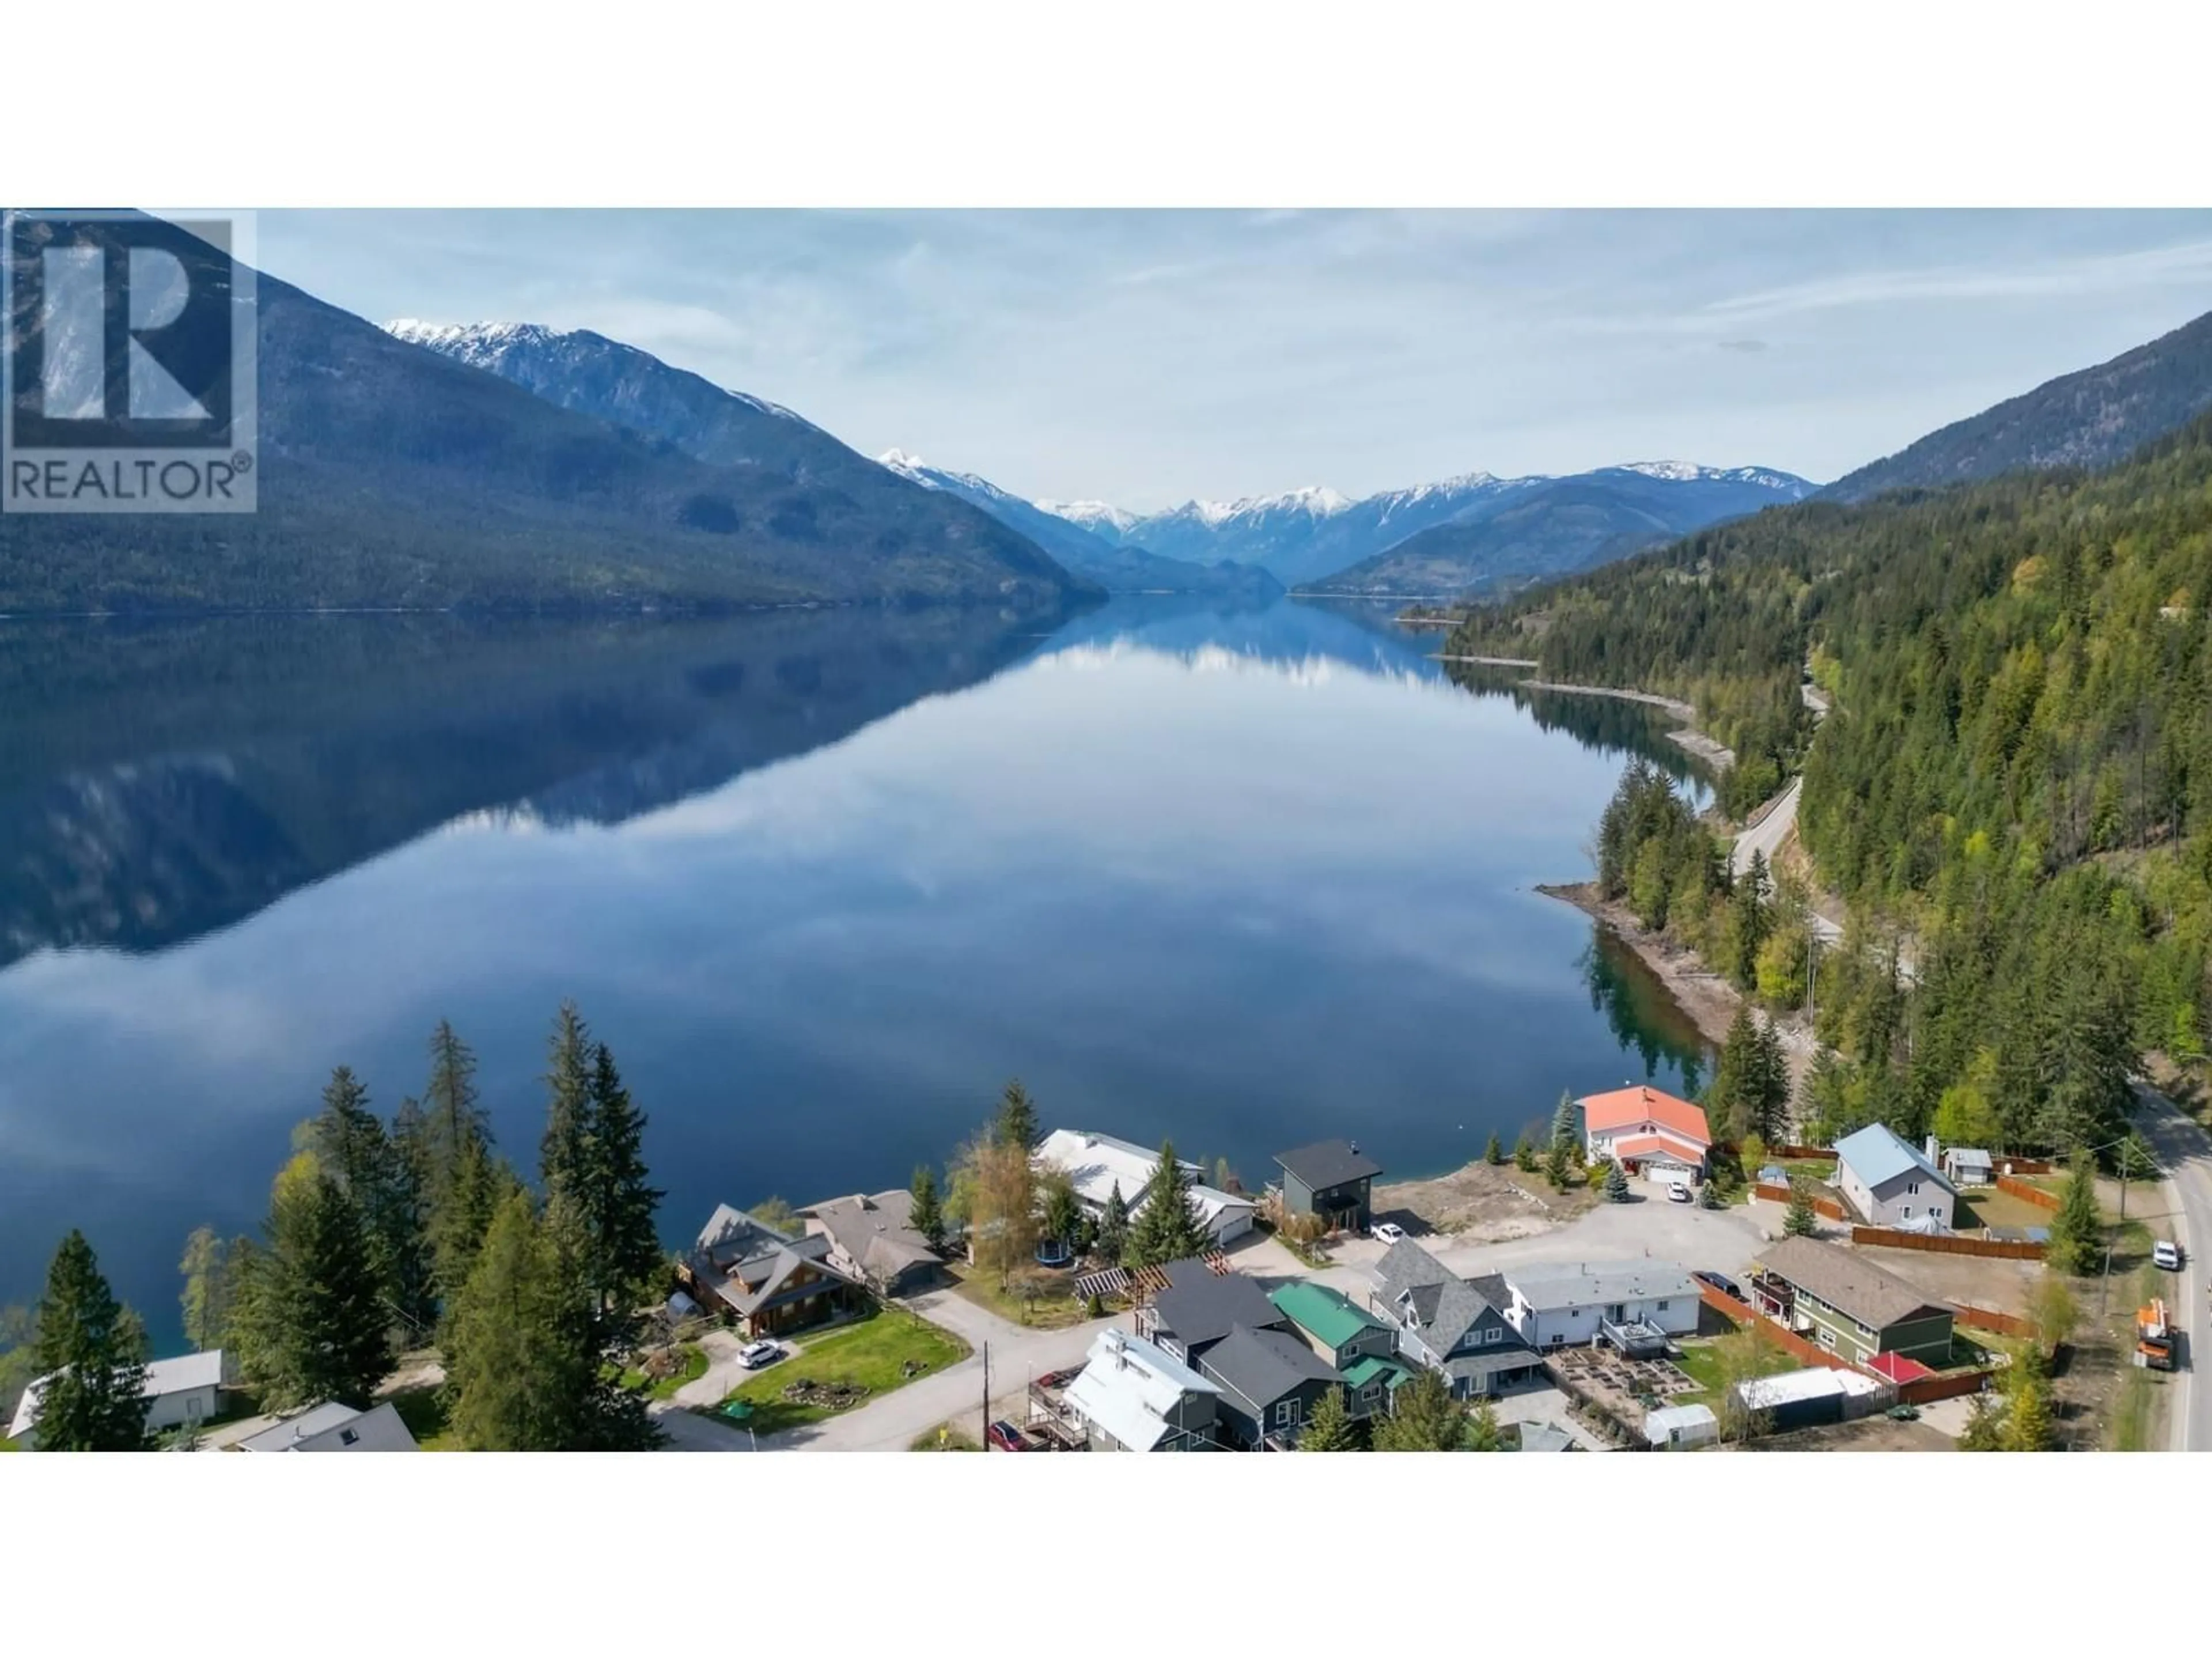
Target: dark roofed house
[(1199, 1308), (1363, 1349), (1331, 1179), (765, 1281), (1270, 1381), (872, 1239), (1449, 1324), (1848, 1304)]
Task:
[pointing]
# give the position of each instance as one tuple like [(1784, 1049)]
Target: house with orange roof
[(1649, 1132)]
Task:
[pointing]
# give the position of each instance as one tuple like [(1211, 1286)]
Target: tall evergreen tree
[(2077, 1231), (1616, 1182), (1114, 1225), (206, 1299), (313, 1323), (615, 1204), (926, 1216), (1565, 1120), (474, 1191), (1168, 1228), (1800, 1220), (381, 1177), (91, 1351), (565, 1154), (1494, 1153), (1016, 1122), (455, 1122)]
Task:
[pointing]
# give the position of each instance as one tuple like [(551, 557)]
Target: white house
[(1096, 1164), (180, 1392), (1133, 1395), (1892, 1183), (332, 1427), (1553, 1304), (1969, 1166)]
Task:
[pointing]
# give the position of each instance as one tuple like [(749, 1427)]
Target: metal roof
[(1817, 1382), (1327, 1314), (163, 1376), (1877, 1156), (1131, 1387), (1328, 1163), (1589, 1284)]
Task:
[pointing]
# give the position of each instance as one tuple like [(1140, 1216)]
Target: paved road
[(2186, 1153)]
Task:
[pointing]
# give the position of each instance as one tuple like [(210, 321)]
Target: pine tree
[(1709, 1196), (564, 1155), (1769, 1096), (927, 1215), (614, 1203), (1330, 1427), (350, 1144), (313, 1324), (1114, 1226), (474, 1192), (91, 1351), (1493, 1154), (1801, 1219), (1061, 1213), (453, 1123), (1565, 1125), (1616, 1183), (2077, 1231), (1524, 1154), (206, 1299), (1426, 1417), (2028, 1417), (1557, 1164), (514, 1376), (1168, 1229), (1017, 1124), (1736, 1083), (1483, 1433)]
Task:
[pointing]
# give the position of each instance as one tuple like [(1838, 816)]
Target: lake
[(823, 879)]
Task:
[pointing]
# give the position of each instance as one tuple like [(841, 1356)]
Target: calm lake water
[(824, 880)]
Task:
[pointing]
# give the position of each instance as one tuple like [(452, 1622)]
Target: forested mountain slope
[(2018, 769)]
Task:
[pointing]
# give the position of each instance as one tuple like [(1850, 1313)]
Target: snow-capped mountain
[(1306, 536), (1120, 566), (1102, 518)]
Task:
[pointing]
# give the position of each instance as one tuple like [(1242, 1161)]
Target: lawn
[(1985, 1207), (693, 1368), (1701, 1362), (1054, 1309), (872, 1354)]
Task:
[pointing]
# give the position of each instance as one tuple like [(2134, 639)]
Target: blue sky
[(1147, 358)]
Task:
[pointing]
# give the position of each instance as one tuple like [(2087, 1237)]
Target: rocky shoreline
[(1707, 999)]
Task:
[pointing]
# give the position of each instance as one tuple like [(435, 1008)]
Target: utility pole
[(987, 1395)]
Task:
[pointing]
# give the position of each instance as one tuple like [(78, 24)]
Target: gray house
[(1892, 1183), (1270, 1381), (1331, 1179), (1452, 1325), (1199, 1308), (872, 1239)]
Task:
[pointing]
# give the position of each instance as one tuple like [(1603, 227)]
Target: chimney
[(1932, 1153), (1353, 1144)]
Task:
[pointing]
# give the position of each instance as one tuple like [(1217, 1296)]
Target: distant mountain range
[(2093, 418), (1321, 539), (1119, 567), (393, 475), (1556, 526)]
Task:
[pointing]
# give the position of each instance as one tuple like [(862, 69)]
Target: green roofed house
[(1359, 1346)]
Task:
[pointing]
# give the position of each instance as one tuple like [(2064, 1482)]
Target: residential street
[(1723, 1240), (2186, 1152)]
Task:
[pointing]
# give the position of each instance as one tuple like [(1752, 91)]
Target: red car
[(1060, 1379), (1004, 1436)]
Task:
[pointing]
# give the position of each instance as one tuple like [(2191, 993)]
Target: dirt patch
[(1985, 1281), (1867, 1434), (1481, 1204)]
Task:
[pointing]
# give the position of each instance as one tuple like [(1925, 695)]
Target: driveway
[(2186, 1154)]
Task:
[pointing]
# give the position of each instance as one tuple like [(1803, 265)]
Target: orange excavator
[(2154, 1336)]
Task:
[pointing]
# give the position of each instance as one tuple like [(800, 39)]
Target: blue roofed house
[(1892, 1183)]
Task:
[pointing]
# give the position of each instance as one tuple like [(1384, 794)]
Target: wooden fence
[(2034, 1195), (1944, 1385), (1827, 1207), (1988, 1319), (1781, 1336), (1949, 1243)]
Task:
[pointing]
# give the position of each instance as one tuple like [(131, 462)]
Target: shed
[(1680, 1428), (1799, 1400)]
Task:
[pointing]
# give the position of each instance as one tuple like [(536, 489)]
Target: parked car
[(1678, 1192), (1003, 1436), (754, 1355), (1388, 1232), (1060, 1379), (2167, 1255), (1722, 1283)]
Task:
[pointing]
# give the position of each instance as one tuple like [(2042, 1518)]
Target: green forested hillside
[(2015, 789)]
